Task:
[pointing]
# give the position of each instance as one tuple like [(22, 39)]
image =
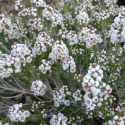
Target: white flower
[(92, 107), (22, 118), (88, 102), (17, 65), (29, 59), (98, 78), (67, 102), (99, 104), (110, 122), (95, 74), (82, 18), (95, 99), (96, 83), (116, 117), (56, 104), (26, 113)]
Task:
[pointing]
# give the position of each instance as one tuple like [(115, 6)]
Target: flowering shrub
[(69, 58)]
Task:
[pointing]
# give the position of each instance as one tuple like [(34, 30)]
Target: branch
[(17, 90), (8, 51), (12, 96)]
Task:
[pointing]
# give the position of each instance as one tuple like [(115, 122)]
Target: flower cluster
[(45, 66), (39, 48), (38, 87), (56, 19), (77, 51), (60, 96), (89, 36), (10, 29), (39, 3), (114, 75), (103, 59), (78, 77), (35, 24), (82, 17), (4, 22), (77, 95), (116, 121), (20, 54), (27, 12), (117, 31), (64, 2), (72, 38), (85, 6), (68, 17), (38, 105), (16, 113), (59, 51), (45, 38), (96, 90), (103, 13), (59, 119), (63, 31), (71, 121), (69, 63), (13, 32), (18, 4), (119, 117), (5, 71), (115, 57)]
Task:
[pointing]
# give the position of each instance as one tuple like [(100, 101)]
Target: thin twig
[(3, 81), (12, 96), (62, 109), (17, 90), (17, 83), (68, 82), (38, 98), (8, 51), (20, 82), (3, 103), (48, 87), (55, 83)]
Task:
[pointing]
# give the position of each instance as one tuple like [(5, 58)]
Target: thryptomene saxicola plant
[(68, 58)]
